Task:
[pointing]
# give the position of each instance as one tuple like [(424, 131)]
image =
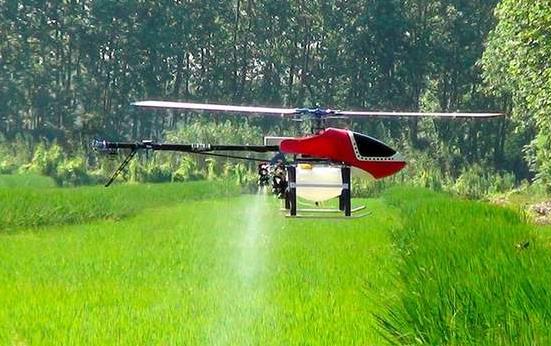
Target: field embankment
[(471, 273), (23, 207)]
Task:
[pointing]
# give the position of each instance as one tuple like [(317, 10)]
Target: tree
[(517, 68)]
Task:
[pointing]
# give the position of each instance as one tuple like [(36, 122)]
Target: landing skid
[(329, 217), (315, 213), (315, 210), (326, 210)]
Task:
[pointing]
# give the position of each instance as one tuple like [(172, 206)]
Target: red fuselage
[(351, 148)]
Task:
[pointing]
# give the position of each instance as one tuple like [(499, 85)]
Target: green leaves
[(472, 274), (516, 64), (68, 71)]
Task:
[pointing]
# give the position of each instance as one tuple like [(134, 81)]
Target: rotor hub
[(315, 112)]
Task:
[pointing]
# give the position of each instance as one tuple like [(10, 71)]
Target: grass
[(37, 207), (226, 271), (25, 180), (472, 273), (196, 264)]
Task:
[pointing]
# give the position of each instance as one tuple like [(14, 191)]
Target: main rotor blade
[(214, 107), (417, 114)]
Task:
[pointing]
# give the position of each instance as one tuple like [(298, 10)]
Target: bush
[(7, 167), (474, 182), (55, 163), (72, 171)]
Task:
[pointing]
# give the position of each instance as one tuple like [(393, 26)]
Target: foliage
[(476, 183), (225, 131), (72, 171), (471, 274), (68, 72), (80, 168), (516, 67), (53, 162), (14, 155)]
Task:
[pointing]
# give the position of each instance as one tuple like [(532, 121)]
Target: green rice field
[(25, 180), (201, 264)]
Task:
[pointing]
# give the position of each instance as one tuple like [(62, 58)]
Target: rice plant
[(471, 273), (196, 263), (30, 207), (25, 180), (201, 272)]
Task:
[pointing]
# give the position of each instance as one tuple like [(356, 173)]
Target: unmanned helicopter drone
[(320, 167)]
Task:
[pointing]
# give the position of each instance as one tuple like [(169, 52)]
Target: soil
[(541, 212)]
